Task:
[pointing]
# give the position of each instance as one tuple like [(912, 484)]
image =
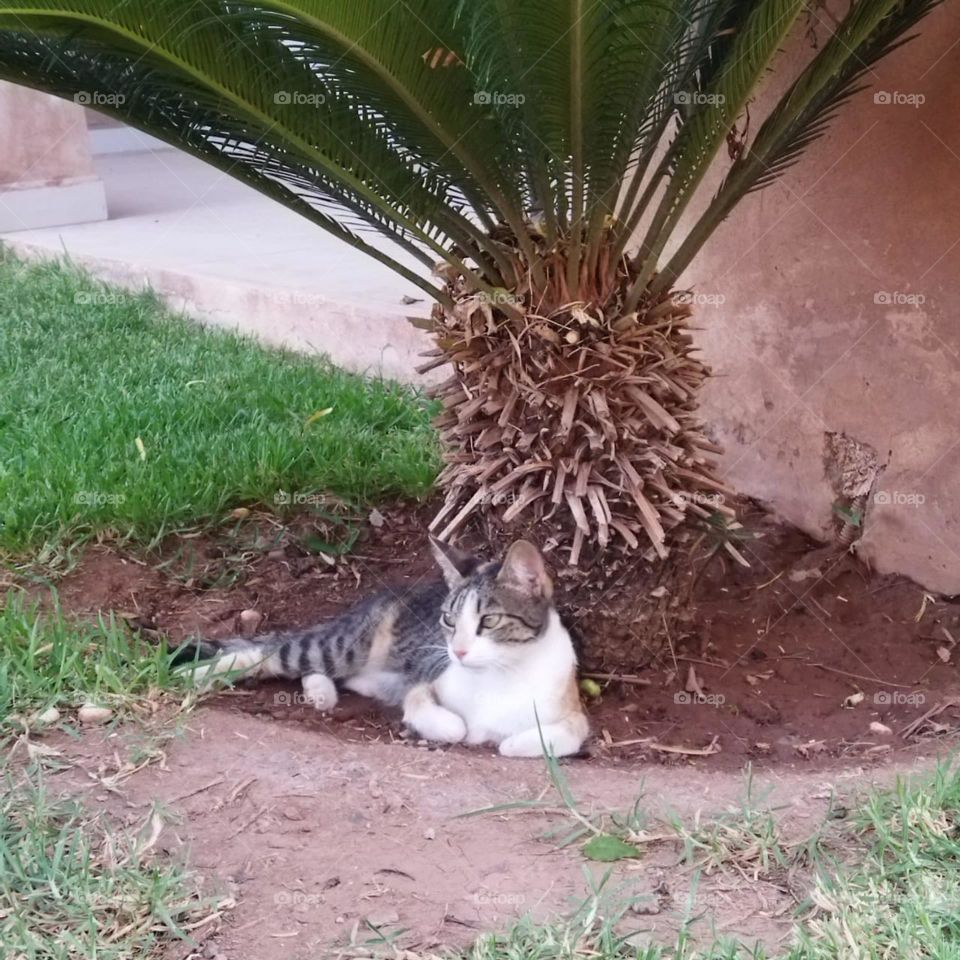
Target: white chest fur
[(530, 687)]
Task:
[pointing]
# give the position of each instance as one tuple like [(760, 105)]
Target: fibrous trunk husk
[(581, 419)]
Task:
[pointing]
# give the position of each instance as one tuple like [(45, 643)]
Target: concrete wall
[(46, 170), (831, 304)]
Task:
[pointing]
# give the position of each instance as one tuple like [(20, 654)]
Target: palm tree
[(535, 158)]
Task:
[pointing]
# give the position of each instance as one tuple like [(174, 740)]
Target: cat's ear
[(455, 564), (523, 570)]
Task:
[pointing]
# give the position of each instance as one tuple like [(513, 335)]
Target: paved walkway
[(221, 252)]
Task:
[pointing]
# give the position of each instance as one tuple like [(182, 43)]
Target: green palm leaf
[(873, 29), (516, 149)]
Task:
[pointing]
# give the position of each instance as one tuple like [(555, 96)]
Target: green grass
[(48, 662), (116, 415), (885, 885), (73, 885)]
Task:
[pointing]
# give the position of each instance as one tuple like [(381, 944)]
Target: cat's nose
[(459, 654)]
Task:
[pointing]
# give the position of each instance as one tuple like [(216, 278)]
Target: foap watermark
[(296, 898), (685, 699), (697, 98), (283, 498), (285, 298), (897, 298), (701, 499), (500, 298), (898, 698), (98, 498), (297, 98), (89, 298), (494, 98), (898, 498), (897, 98), (488, 898), (701, 299), (295, 698), (99, 98), (505, 499)]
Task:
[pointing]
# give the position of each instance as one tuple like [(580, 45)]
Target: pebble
[(92, 714), (249, 621), (383, 918), (48, 716)]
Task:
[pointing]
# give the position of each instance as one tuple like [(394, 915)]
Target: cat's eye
[(447, 621), (490, 622)]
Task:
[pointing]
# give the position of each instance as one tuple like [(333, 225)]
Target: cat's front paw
[(560, 739), (319, 691), (526, 744), (436, 723)]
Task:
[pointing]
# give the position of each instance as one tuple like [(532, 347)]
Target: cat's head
[(494, 611)]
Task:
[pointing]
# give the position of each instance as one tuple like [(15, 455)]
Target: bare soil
[(331, 848), (789, 661), (334, 833)]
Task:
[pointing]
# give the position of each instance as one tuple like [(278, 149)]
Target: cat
[(479, 657)]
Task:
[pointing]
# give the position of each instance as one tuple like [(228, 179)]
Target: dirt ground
[(329, 847), (789, 661), (328, 829)]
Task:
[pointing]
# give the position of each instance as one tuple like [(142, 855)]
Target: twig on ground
[(195, 791), (620, 678), (911, 728), (708, 751), (859, 676)]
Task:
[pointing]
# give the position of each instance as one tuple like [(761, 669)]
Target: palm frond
[(871, 31), (750, 55)]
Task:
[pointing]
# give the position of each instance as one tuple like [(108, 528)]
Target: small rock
[(249, 621), (277, 555), (383, 918), (648, 908), (92, 714), (376, 518), (881, 728), (660, 591), (241, 513), (430, 834), (47, 717)]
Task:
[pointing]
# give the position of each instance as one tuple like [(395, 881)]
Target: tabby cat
[(480, 657)]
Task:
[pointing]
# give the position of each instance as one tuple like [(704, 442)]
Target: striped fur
[(468, 640)]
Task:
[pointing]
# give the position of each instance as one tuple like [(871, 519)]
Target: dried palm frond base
[(578, 419)]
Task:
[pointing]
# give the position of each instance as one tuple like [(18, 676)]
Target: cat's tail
[(271, 655)]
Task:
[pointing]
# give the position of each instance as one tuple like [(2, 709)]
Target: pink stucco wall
[(837, 309)]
